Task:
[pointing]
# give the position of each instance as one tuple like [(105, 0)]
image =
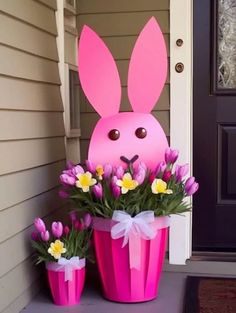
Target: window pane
[(226, 44)]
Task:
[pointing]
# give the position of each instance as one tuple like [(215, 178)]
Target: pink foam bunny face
[(133, 134), (129, 133)]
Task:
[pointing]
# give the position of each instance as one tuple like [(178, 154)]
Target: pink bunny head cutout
[(127, 134)]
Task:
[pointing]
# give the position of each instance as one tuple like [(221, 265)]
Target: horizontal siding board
[(163, 102), (29, 95), (20, 64), (123, 23), (70, 49), (49, 3), (31, 12), (30, 153), (22, 214), (122, 47), (27, 38), (102, 6), (25, 125), (24, 298), (89, 120), (17, 281), (27, 184), (16, 249)]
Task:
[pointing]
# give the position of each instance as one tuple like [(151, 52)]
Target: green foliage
[(135, 201), (76, 243)]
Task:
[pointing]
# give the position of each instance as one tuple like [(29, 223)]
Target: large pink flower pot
[(122, 284), (66, 292)]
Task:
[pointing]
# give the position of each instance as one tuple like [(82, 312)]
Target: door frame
[(181, 119)]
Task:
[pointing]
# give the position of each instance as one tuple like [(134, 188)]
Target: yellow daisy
[(85, 181), (159, 186), (127, 183), (56, 249)]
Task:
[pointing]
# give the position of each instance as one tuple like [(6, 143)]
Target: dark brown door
[(214, 114)]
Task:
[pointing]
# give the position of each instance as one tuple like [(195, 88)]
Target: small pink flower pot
[(122, 284), (66, 292)]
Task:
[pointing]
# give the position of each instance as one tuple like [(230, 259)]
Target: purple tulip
[(78, 225), (39, 225), (77, 170), (97, 190), (63, 194), (73, 216), (87, 220), (34, 236), (119, 172), (115, 191), (181, 171), (67, 179), (151, 178), (166, 176), (45, 235), (114, 180), (66, 230), (160, 168), (191, 186), (171, 155), (143, 165), (57, 229), (90, 166), (107, 170), (140, 175)]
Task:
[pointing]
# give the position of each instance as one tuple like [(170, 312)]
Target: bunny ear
[(148, 68), (98, 73)]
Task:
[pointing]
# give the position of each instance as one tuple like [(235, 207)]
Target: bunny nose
[(131, 161)]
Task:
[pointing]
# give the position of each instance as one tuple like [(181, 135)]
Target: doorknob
[(179, 67)]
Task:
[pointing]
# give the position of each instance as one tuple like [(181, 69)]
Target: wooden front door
[(214, 117)]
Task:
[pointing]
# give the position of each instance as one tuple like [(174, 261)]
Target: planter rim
[(105, 224)]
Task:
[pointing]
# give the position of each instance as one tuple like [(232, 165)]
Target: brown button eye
[(114, 134), (141, 132)]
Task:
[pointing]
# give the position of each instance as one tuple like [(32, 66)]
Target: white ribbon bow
[(128, 226), (69, 265)]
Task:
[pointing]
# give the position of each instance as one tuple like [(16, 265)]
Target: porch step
[(169, 300)]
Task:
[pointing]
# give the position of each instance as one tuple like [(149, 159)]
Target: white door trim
[(181, 86)]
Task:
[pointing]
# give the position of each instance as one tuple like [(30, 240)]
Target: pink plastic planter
[(122, 284), (66, 292)]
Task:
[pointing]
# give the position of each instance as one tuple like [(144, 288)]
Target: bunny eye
[(141, 132), (114, 134)]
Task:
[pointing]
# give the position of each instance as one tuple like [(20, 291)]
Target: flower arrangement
[(100, 190), (61, 241)]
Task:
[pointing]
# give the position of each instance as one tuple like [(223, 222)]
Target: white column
[(181, 116)]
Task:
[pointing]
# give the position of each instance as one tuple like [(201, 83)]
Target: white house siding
[(119, 23), (32, 152)]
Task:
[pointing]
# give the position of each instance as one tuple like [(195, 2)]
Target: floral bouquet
[(63, 249), (130, 206), (101, 190)]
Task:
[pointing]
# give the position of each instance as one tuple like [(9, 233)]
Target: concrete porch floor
[(169, 300)]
